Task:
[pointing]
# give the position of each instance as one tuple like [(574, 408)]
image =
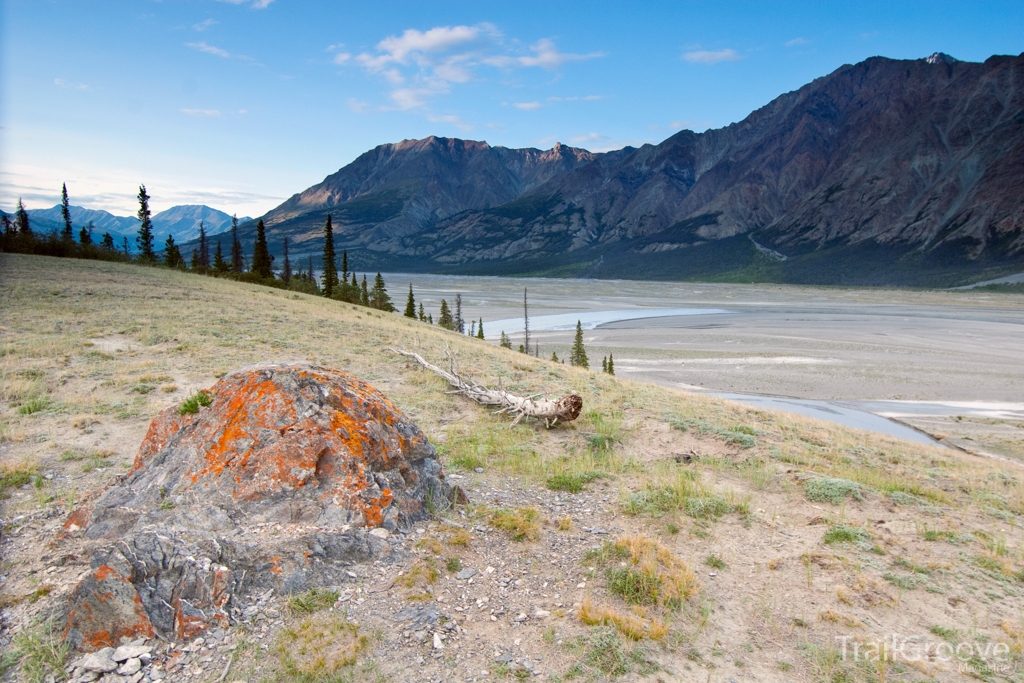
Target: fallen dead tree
[(566, 408)]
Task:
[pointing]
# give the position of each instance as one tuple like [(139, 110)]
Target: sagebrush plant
[(832, 490)]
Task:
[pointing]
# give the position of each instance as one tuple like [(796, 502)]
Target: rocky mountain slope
[(884, 172)]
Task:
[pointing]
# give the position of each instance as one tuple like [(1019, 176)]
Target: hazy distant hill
[(884, 172), (180, 221)]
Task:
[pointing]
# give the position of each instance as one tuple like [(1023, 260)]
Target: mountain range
[(884, 172), (180, 221)]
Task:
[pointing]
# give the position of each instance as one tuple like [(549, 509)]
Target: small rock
[(126, 652), (522, 617), (466, 574), (130, 667), (504, 659), (479, 470), (438, 645), (97, 661), (541, 614), (156, 674), (380, 532)]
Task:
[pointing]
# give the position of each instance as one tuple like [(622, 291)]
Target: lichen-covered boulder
[(275, 484), (290, 443)]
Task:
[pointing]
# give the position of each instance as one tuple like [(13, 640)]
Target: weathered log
[(567, 408)]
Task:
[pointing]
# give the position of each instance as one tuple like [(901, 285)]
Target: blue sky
[(240, 103)]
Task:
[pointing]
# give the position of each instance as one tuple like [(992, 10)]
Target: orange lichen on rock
[(105, 608)]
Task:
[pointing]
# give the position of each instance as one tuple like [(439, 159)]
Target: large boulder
[(274, 484)]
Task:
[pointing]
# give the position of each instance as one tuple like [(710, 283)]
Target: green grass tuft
[(192, 404), (844, 533), (832, 490)]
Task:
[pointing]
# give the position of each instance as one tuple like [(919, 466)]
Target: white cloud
[(528, 106), (577, 98), (218, 52), (588, 138), (453, 120), (357, 106), (209, 49), (201, 112), (255, 4), (341, 57), (712, 57), (796, 41), (61, 83), (547, 55), (203, 25)]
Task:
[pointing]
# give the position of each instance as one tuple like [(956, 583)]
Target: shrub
[(522, 523), (832, 490), (844, 533), (572, 483), (192, 404), (313, 600)]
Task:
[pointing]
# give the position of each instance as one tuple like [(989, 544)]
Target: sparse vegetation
[(313, 600), (522, 524), (832, 490), (192, 404)]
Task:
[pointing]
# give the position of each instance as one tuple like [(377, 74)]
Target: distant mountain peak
[(941, 58)]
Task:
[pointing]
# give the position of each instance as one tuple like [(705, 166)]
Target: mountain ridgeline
[(887, 172)]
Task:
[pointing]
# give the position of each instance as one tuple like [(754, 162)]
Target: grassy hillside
[(666, 534)]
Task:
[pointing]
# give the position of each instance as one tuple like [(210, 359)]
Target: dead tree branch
[(566, 408)]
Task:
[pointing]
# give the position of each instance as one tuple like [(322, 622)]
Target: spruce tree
[(261, 255), (21, 220), (286, 270), (379, 298), (108, 241), (445, 320), (204, 248), (220, 266), (172, 255), (344, 266), (505, 342), (410, 305), (554, 357), (329, 279), (85, 235), (124, 247), (145, 237), (237, 260), (67, 234), (423, 316), (364, 294), (430, 318), (10, 231), (578, 356), (611, 364), (195, 265), (480, 329), (604, 363)]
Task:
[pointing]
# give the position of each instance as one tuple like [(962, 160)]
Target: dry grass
[(319, 647), (632, 626), (522, 524)]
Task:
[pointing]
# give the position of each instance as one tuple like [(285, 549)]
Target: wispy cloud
[(528, 106), (796, 41), (255, 4), (219, 52), (203, 25), (201, 112), (358, 106), (712, 56), (61, 83), (340, 56), (453, 120), (577, 98), (421, 65)]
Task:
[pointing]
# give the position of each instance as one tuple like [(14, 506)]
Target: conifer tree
[(108, 241), (379, 298), (480, 329), (445, 320), (204, 248), (410, 305), (85, 235), (286, 270), (604, 363), (21, 220), (312, 277), (505, 342), (9, 229), (460, 324), (578, 356), (172, 255), (261, 255), (124, 247), (522, 349), (237, 260), (145, 237), (195, 265), (611, 364), (554, 356), (364, 293), (423, 316), (430, 318), (330, 274), (67, 234), (344, 266), (220, 266)]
